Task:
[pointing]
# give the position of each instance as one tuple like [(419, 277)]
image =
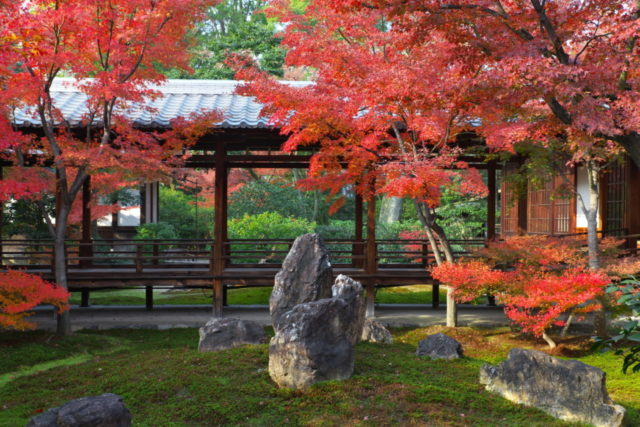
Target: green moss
[(165, 381)]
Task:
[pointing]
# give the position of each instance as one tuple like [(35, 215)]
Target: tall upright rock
[(306, 276), (351, 291), (312, 345)]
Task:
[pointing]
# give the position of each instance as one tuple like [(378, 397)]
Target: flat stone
[(227, 332), (440, 346), (106, 410), (566, 389), (305, 276), (375, 332)]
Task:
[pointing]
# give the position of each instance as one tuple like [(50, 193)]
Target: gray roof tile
[(179, 98)]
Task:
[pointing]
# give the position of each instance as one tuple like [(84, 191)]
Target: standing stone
[(374, 331), (305, 276), (566, 389), (227, 332), (106, 410), (351, 291), (312, 345), (440, 346)]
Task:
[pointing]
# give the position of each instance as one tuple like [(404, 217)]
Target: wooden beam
[(148, 291), (358, 247), (491, 202), (220, 227), (86, 247), (371, 256)]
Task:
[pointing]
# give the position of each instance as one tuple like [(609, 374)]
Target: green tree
[(234, 26), (186, 214)]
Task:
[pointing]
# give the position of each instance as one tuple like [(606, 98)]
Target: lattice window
[(615, 199), (509, 214), (540, 210), (550, 209)]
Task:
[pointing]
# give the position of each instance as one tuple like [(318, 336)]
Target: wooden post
[(1, 221), (84, 298), (148, 294), (435, 296), (371, 256), (138, 258), (86, 246), (358, 248), (491, 201), (220, 228)]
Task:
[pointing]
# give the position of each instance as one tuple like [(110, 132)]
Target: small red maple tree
[(538, 279), (20, 292), (121, 45)]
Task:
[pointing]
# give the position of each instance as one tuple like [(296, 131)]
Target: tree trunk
[(600, 317), (60, 262), (631, 144), (390, 210), (428, 220)]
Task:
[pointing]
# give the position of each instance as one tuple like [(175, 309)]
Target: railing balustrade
[(149, 254)]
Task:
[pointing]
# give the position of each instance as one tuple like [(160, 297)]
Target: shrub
[(20, 292), (537, 278)]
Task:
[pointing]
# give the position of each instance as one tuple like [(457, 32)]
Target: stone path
[(165, 317)]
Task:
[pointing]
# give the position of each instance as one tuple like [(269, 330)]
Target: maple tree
[(113, 49), (383, 113), (20, 292), (538, 278)]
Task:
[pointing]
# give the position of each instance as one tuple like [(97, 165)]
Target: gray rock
[(351, 291), (440, 346), (223, 333), (306, 276), (374, 331), (313, 344), (566, 389), (106, 410)]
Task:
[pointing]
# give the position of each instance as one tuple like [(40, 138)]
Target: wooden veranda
[(221, 263), (242, 140)]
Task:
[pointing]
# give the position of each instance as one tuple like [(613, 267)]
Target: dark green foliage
[(158, 230), (180, 211), (266, 225), (628, 292), (24, 217), (234, 27), (462, 216), (257, 197)]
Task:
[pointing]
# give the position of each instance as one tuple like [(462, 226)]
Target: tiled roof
[(179, 98)]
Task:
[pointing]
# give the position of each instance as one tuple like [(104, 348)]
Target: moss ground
[(166, 382)]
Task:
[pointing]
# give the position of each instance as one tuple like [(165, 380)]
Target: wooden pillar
[(148, 294), (1, 221), (86, 246), (371, 263), (491, 201), (84, 298), (522, 213), (220, 228), (358, 246)]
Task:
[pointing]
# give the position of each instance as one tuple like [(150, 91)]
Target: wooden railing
[(151, 254)]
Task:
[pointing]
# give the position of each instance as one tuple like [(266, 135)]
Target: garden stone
[(313, 344), (306, 276), (374, 331), (566, 389), (440, 346), (223, 333), (351, 291), (106, 410)]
